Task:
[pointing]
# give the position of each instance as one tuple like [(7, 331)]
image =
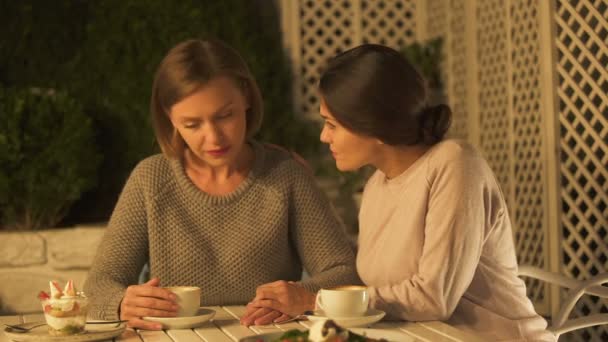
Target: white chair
[(593, 286)]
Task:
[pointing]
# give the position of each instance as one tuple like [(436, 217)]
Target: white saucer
[(201, 317), (370, 317), (94, 332)]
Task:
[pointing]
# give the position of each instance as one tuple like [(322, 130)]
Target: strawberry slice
[(43, 295), (48, 308)]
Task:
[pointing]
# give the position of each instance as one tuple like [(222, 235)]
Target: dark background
[(103, 54)]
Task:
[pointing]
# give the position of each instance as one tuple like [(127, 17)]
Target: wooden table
[(225, 327)]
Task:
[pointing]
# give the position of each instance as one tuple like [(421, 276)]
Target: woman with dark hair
[(435, 240), (216, 209)]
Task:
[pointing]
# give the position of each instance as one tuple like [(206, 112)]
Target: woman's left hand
[(287, 297), (261, 316)]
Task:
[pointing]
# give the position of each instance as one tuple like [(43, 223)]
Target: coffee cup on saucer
[(188, 299), (343, 301)]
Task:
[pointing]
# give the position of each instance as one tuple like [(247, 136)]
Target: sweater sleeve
[(319, 235), (453, 242), (121, 254)]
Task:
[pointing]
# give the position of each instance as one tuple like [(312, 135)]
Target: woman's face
[(213, 122), (350, 150)]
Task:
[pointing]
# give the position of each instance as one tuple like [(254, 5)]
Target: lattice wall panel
[(529, 169), (326, 28), (457, 64), (582, 37), (511, 123), (447, 20), (437, 18), (493, 58), (389, 23), (331, 26), (437, 26)]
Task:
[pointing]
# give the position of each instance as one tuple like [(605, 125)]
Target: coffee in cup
[(343, 301), (188, 299)]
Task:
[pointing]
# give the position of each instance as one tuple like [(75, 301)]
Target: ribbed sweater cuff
[(310, 285), (108, 310)]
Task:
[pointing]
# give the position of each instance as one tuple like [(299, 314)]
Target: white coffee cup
[(188, 299), (343, 301)]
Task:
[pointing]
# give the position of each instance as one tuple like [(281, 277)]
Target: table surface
[(225, 327)]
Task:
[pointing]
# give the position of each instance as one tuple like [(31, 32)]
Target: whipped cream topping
[(324, 330)]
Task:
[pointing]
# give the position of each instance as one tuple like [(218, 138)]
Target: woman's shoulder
[(153, 162), (454, 152), (154, 167), (458, 157), (280, 162), (453, 149)]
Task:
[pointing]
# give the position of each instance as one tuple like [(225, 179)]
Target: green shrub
[(38, 39), (109, 65), (427, 57), (126, 40), (47, 156)]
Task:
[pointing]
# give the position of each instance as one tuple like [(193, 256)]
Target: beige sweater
[(276, 222), (436, 243)]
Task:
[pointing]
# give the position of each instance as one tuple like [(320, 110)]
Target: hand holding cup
[(147, 300), (188, 298)]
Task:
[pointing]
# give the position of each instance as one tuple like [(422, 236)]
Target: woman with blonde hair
[(216, 209)]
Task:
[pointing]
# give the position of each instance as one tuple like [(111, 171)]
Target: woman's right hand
[(147, 300)]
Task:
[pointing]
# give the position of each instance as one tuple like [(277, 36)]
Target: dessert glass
[(66, 315)]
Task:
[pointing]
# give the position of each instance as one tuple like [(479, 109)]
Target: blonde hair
[(185, 69)]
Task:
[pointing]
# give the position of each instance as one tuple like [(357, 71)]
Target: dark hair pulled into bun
[(434, 123), (373, 90)]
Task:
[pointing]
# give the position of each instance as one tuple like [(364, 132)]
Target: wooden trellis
[(528, 83)]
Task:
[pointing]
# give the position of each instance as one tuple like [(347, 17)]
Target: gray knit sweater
[(276, 222)]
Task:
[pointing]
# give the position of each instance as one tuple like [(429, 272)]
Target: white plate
[(370, 317), (390, 335), (270, 337), (94, 332), (201, 317)]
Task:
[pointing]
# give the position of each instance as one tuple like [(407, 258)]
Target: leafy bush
[(47, 156), (38, 39), (125, 42), (106, 59), (427, 58)]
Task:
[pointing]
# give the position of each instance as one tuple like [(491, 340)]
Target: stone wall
[(29, 260)]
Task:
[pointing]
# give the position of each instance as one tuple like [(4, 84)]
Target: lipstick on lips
[(218, 152)]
